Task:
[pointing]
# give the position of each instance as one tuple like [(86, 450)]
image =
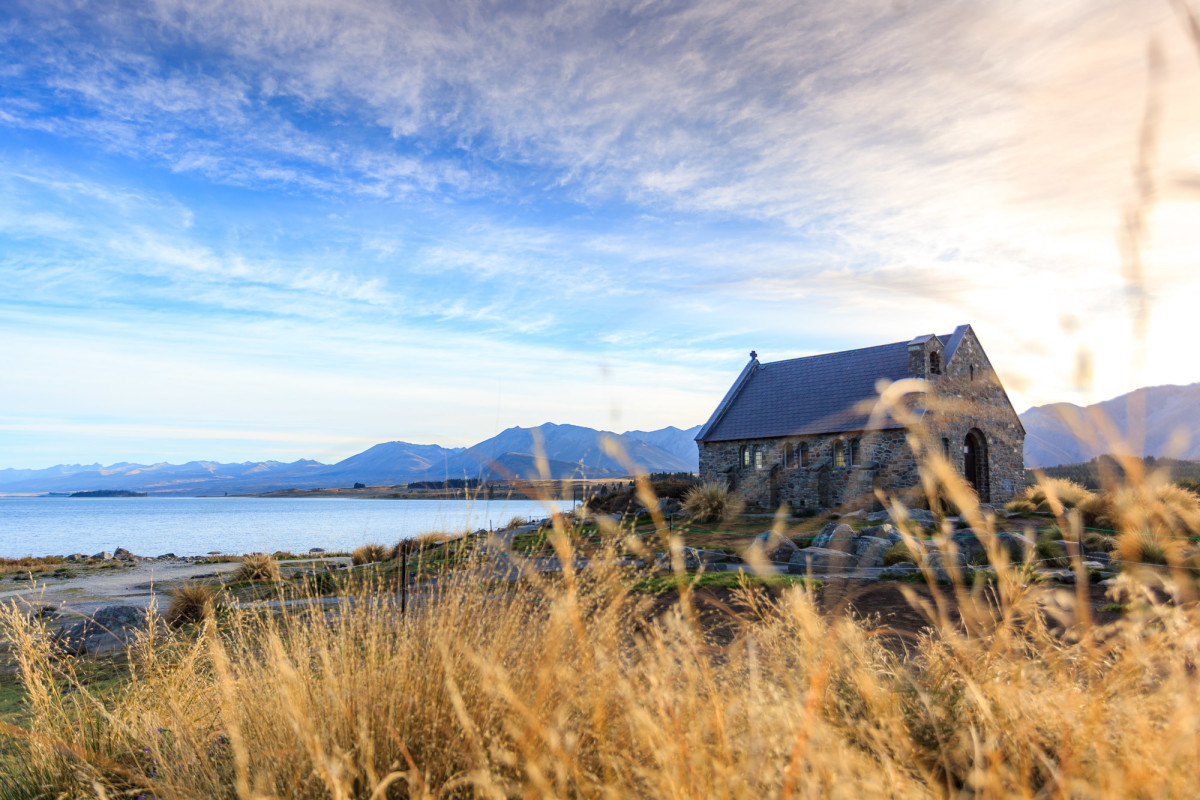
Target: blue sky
[(257, 229)]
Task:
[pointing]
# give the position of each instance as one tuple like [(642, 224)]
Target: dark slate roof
[(816, 394)]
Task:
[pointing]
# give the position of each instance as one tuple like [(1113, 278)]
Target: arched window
[(804, 454), (745, 456), (855, 454), (972, 372), (758, 458), (946, 448), (839, 453), (935, 363)]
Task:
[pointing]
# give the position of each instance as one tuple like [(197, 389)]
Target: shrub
[(369, 554), (191, 602), (711, 502), (257, 567)]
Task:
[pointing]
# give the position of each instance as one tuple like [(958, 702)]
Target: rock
[(1017, 544), (898, 571), (775, 548), (111, 628), (885, 531), (1103, 558), (316, 549), (166, 557), (103, 555), (691, 560), (869, 550), (837, 535), (918, 515), (122, 554), (75, 557), (942, 563), (820, 559), (922, 516), (860, 514)]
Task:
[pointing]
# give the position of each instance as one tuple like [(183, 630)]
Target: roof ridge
[(834, 353)]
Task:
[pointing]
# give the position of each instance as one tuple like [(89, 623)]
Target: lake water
[(150, 526)]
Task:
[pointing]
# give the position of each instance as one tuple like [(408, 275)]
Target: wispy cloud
[(619, 182)]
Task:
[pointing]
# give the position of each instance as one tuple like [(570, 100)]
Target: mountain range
[(571, 451), (1063, 433), (1059, 433)]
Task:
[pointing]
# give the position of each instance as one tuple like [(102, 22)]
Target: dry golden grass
[(547, 690), (576, 686), (369, 554), (257, 567), (9, 566)]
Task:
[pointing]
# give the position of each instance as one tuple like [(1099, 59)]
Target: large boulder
[(885, 531), (835, 535), (869, 550), (773, 547), (111, 628)]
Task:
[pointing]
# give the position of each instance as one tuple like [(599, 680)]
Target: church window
[(839, 454), (855, 455), (935, 363), (804, 454)]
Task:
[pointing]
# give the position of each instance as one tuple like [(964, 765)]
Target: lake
[(189, 526)]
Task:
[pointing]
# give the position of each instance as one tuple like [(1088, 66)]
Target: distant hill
[(572, 450), (1093, 474), (1062, 433)]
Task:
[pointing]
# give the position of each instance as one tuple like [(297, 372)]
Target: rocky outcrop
[(109, 629)]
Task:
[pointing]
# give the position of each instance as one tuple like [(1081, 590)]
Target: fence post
[(404, 577)]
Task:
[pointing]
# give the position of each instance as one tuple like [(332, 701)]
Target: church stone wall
[(965, 395)]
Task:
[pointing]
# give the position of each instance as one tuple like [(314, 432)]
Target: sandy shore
[(138, 582)]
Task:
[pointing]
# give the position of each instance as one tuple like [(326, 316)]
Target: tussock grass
[(711, 502), (190, 603), (1050, 495), (257, 567), (370, 554)]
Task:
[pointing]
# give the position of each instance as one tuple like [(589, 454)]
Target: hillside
[(1063, 433)]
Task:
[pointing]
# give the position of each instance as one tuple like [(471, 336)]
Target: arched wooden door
[(975, 464)]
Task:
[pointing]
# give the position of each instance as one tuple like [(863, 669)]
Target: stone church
[(800, 431)]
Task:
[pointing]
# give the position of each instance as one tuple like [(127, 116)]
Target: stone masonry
[(966, 417)]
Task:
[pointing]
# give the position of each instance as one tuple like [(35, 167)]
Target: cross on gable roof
[(816, 394)]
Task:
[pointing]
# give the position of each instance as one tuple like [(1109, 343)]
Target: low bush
[(257, 567), (711, 502)]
